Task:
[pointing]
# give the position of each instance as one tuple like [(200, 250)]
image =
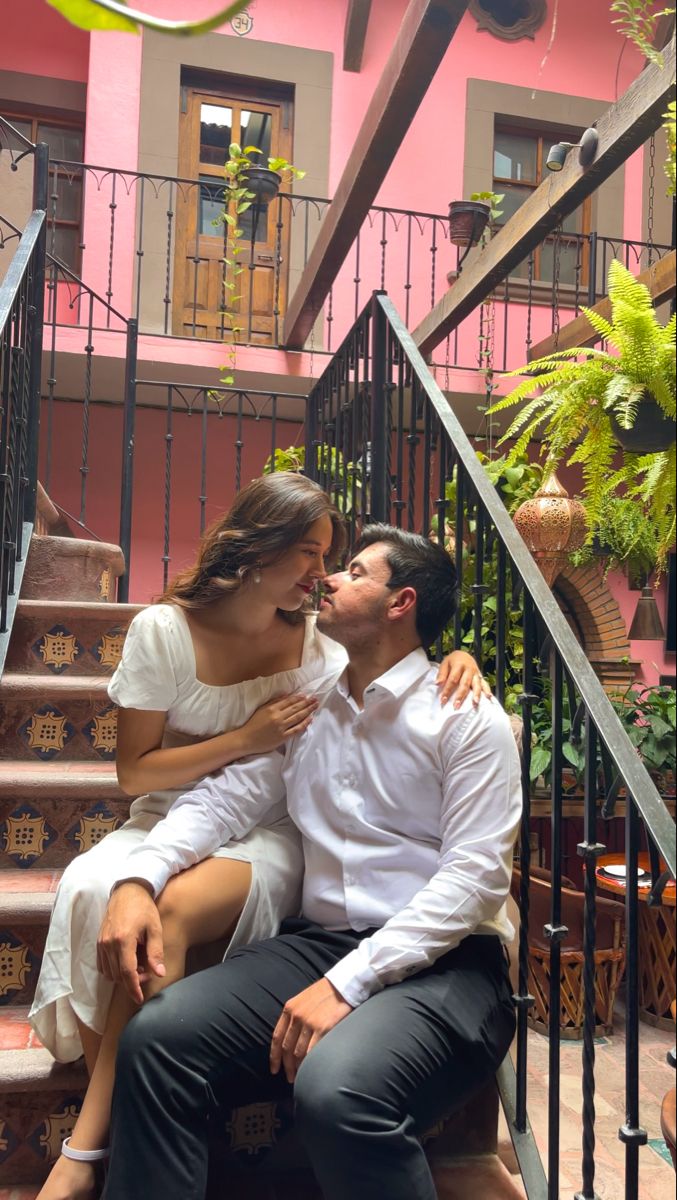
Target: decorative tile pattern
[(46, 732), (58, 648), (92, 827), (253, 1128), (46, 1139), (108, 649), (15, 965), (105, 583), (102, 731), (8, 1141), (26, 835)]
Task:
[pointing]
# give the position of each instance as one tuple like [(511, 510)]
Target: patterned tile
[(92, 827), (102, 732), (58, 648), (8, 1141), (26, 835), (46, 732), (108, 649), (45, 1140), (16, 964)]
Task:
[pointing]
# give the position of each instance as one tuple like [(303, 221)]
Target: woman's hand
[(277, 721), (460, 674)]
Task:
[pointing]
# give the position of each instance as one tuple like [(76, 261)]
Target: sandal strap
[(69, 1151)]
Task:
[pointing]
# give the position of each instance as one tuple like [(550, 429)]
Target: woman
[(231, 646)]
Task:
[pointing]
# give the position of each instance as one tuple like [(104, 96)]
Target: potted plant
[(649, 717), (578, 400), (468, 219)]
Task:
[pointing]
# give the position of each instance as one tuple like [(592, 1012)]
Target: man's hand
[(130, 950), (305, 1019)]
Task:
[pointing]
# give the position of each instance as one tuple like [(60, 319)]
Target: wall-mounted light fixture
[(587, 149), (646, 624)]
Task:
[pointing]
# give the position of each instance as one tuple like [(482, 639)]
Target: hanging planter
[(467, 221), (651, 431), (264, 183), (552, 525)]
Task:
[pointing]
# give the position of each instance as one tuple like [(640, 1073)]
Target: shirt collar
[(397, 679)]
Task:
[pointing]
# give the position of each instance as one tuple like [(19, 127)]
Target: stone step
[(56, 718), (39, 1101), (26, 900), (50, 637), (53, 811), (71, 569)]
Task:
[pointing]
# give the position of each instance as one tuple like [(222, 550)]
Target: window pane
[(256, 129), (69, 196), (568, 257), (210, 207), (513, 198), (216, 123), (22, 126), (515, 156), (63, 142), (64, 244)]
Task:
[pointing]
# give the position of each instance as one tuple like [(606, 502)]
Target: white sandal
[(86, 1156)]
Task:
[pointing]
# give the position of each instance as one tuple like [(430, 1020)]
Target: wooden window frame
[(36, 117), (545, 137)]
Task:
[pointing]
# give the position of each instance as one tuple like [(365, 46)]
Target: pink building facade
[(136, 226)]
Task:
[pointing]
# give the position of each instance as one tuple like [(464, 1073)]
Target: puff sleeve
[(146, 675)]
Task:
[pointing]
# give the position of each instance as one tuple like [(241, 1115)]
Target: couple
[(407, 812)]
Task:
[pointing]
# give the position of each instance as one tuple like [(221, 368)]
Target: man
[(388, 1002)]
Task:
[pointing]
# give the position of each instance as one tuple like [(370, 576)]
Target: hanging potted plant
[(586, 403), (468, 219)]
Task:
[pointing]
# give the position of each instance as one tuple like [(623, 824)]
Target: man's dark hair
[(424, 565)]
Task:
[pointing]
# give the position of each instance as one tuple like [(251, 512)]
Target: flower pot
[(467, 221), (264, 183), (651, 432)]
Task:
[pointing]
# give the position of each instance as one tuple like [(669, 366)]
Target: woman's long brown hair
[(267, 518)]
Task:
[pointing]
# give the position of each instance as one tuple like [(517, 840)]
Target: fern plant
[(574, 397)]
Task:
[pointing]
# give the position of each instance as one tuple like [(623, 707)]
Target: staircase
[(59, 797)]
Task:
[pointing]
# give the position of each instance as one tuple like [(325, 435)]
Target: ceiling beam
[(357, 20), (659, 279), (622, 129), (425, 33)]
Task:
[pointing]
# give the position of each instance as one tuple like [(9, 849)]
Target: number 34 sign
[(242, 24)]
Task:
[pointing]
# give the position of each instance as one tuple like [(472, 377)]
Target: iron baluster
[(84, 463), (631, 1133), (166, 299), (139, 251), (501, 619), (169, 445), (407, 277), (111, 248), (379, 478), (459, 531), (555, 931), (127, 473), (479, 588), (523, 1000)]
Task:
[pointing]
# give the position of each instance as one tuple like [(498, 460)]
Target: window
[(509, 19), (519, 167), (65, 139), (212, 118)]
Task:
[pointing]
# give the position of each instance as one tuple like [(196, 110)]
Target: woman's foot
[(70, 1180)]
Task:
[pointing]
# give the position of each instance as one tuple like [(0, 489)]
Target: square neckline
[(224, 687)]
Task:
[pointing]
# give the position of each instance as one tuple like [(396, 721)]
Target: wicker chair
[(609, 956)]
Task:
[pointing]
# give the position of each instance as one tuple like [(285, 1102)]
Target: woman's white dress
[(157, 672)]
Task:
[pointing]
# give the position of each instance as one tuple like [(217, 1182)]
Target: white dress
[(158, 672)]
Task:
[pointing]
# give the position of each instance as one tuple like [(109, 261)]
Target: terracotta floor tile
[(27, 881), (16, 1033)]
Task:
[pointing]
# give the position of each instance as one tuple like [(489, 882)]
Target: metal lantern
[(552, 525)]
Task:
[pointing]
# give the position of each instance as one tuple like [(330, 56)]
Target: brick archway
[(585, 592)]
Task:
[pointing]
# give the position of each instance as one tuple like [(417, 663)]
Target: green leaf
[(540, 761), (86, 14)]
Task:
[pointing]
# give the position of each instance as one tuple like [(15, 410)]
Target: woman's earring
[(257, 575)]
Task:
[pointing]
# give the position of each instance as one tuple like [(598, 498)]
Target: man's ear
[(402, 603)]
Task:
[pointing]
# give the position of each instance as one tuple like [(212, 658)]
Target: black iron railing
[(383, 441), (21, 316)]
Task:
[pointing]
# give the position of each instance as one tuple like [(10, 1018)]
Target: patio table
[(657, 953)]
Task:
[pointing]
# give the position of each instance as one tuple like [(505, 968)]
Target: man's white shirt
[(408, 813)]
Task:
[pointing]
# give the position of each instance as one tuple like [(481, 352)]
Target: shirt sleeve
[(481, 808), (146, 676), (215, 811)]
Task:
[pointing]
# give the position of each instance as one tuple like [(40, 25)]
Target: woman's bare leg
[(200, 905)]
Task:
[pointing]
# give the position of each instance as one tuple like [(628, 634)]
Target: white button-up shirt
[(408, 813)]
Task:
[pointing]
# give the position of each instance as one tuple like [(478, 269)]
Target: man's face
[(356, 600)]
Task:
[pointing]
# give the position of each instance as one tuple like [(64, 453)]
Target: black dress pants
[(403, 1060)]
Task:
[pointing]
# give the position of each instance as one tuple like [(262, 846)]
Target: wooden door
[(209, 123)]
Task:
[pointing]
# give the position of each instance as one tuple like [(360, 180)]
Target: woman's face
[(290, 579)]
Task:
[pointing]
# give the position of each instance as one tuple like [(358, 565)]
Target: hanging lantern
[(552, 525)]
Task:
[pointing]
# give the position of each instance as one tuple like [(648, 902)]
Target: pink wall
[(36, 40)]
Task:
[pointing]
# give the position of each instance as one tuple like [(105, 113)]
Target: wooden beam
[(660, 280), (622, 129), (357, 20), (425, 33)]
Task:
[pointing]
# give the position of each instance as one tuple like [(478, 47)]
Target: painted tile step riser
[(57, 727), (43, 832), (60, 643)]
